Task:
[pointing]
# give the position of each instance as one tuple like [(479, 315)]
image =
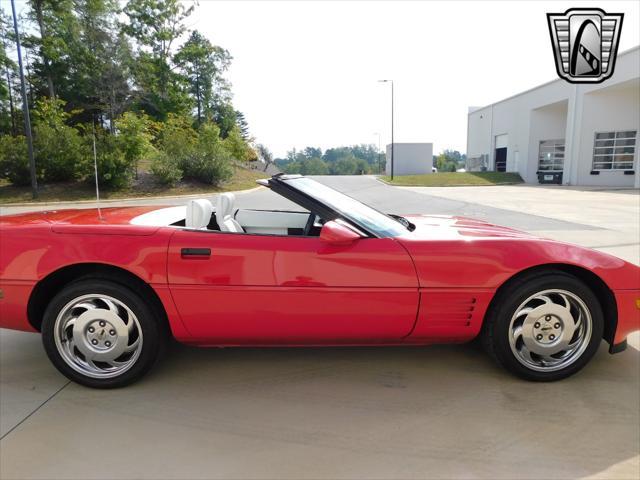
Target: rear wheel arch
[(599, 288), (47, 288)]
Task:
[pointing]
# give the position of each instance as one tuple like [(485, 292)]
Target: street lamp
[(392, 145)]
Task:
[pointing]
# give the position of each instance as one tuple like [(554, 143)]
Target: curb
[(454, 185), (128, 199), (445, 186)]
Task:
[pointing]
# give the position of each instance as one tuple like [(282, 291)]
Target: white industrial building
[(565, 133), (410, 158)]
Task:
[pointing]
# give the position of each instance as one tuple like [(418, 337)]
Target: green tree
[(307, 166), (176, 137), (351, 160), (346, 165), (265, 155), (242, 125), (203, 65), (224, 115), (101, 57), (156, 25), (315, 166), (8, 73), (450, 161), (312, 152), (236, 145), (56, 27)]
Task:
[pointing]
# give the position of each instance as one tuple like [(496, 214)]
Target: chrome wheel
[(550, 330), (98, 336)]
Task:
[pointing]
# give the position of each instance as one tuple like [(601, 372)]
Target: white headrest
[(198, 213), (225, 204)]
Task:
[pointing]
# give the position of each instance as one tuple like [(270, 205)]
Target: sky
[(305, 73)]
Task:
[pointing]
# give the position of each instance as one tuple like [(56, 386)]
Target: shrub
[(115, 170), (210, 165), (194, 154), (59, 149), (133, 138), (14, 160), (176, 137), (175, 142), (165, 168), (209, 161), (237, 147)]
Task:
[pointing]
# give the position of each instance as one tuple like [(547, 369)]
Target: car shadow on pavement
[(395, 412), (447, 404)]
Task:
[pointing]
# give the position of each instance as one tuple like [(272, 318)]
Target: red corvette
[(107, 292)]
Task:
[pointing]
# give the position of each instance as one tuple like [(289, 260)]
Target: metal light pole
[(25, 107), (392, 143)]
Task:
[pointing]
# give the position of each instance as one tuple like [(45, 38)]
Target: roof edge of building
[(477, 109)]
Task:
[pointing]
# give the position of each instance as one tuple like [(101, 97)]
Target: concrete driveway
[(428, 412)]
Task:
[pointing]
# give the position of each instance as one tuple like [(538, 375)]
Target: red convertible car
[(108, 290)]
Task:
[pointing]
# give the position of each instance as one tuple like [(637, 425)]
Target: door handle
[(195, 252)]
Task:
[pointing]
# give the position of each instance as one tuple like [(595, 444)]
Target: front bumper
[(628, 303)]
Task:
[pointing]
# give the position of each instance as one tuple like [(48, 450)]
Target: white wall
[(511, 117), (559, 109), (615, 108), (479, 132), (410, 158)]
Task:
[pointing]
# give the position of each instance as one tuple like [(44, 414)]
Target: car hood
[(442, 227), (486, 255)]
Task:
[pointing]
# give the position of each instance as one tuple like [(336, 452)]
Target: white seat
[(198, 214), (224, 214)]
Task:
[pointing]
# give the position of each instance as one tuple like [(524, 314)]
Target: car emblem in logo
[(585, 43)]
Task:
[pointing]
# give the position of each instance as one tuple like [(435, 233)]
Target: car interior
[(201, 214)]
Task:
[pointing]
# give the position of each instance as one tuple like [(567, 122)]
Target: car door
[(234, 288)]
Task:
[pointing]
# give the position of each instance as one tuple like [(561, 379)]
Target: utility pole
[(25, 107)]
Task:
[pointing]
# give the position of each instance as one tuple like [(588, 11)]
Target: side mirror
[(335, 234)]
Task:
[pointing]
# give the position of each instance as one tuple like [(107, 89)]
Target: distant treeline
[(353, 160)]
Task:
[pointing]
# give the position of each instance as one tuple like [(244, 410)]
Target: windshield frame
[(285, 185)]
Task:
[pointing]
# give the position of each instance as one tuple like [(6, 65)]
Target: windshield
[(372, 220)]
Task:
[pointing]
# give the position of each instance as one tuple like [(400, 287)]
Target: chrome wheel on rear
[(550, 330), (98, 336)]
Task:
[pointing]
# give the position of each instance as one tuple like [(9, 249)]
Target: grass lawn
[(145, 186), (454, 179)]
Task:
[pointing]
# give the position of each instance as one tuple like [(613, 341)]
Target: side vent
[(448, 309), (452, 315)]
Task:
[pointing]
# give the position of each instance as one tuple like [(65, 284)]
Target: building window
[(614, 150), (551, 156)]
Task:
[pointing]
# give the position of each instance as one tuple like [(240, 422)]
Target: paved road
[(441, 411)]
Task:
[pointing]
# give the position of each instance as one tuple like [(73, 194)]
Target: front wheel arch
[(47, 288), (599, 288)]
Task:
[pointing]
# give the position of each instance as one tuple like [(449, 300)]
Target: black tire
[(152, 333), (496, 331)]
